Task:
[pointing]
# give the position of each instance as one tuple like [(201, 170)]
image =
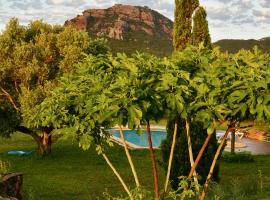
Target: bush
[(181, 163), (98, 46), (238, 157)]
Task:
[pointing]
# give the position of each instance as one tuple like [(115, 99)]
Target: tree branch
[(9, 98), (27, 131)]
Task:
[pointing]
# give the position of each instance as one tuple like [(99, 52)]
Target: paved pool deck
[(255, 147)]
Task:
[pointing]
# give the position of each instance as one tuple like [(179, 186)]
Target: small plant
[(260, 180), (182, 190), (137, 194), (4, 167)]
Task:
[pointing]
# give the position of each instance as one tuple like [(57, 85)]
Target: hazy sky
[(243, 19)]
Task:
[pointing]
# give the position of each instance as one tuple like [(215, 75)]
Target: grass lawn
[(72, 174)]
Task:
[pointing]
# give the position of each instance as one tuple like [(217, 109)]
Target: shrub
[(238, 157), (4, 167), (181, 163)]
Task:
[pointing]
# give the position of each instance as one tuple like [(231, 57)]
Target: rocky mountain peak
[(117, 21), (128, 28)]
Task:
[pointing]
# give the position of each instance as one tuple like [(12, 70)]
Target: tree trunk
[(199, 156), (233, 142), (129, 158), (205, 188), (191, 159), (118, 176), (153, 161), (44, 142), (170, 159)]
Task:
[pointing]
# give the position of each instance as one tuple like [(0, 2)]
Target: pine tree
[(184, 10), (200, 31)]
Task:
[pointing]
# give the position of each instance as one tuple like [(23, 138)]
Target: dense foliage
[(32, 59), (192, 60), (107, 90), (48, 82)]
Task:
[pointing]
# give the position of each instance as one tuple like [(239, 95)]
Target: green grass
[(70, 173)]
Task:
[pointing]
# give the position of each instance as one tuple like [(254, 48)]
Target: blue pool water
[(142, 140)]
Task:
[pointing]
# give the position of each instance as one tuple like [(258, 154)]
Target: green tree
[(191, 61), (200, 31), (182, 30), (99, 46), (97, 96), (189, 20), (131, 91), (32, 59), (239, 86)]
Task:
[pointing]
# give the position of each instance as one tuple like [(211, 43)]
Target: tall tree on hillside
[(200, 31), (184, 10)]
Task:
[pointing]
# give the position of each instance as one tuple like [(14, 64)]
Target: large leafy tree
[(106, 91), (189, 20), (192, 61), (32, 59), (236, 89)]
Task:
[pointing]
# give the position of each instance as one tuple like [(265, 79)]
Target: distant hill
[(233, 46), (135, 28), (128, 28)]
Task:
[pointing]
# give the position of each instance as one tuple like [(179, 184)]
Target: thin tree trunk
[(200, 155), (214, 164), (118, 176), (191, 159), (233, 142), (129, 157), (153, 161), (170, 159), (206, 142)]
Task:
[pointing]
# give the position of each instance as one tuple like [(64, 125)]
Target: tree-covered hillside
[(233, 46)]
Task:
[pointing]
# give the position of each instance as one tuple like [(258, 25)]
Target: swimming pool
[(141, 140)]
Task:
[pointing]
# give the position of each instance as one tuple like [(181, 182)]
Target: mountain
[(233, 46), (128, 28), (134, 28)]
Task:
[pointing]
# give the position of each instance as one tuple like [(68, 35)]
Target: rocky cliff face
[(128, 28)]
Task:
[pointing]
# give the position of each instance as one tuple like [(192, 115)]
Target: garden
[(62, 92)]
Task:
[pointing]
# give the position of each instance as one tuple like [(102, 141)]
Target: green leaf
[(85, 141)]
